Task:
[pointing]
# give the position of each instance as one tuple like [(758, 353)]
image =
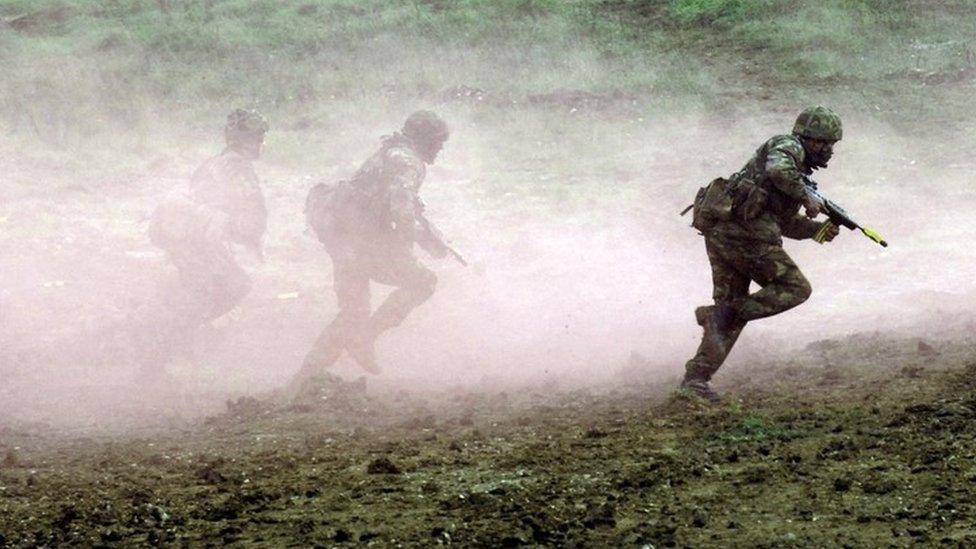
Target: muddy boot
[(715, 321), (324, 354), (700, 387), (363, 351), (309, 370)]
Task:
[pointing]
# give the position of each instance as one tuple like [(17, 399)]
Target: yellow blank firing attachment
[(874, 236), (821, 235)]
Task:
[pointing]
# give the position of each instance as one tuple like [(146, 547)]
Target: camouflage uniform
[(227, 188), (741, 251), (379, 218), (223, 205)]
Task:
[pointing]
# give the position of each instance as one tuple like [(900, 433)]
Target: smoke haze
[(566, 208)]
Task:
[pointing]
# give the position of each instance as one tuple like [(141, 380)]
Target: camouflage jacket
[(226, 184), (382, 198), (777, 167)]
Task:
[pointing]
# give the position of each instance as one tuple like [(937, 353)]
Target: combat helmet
[(425, 126), (819, 123), (243, 124)]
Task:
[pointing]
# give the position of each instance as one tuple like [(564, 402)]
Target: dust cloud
[(568, 216)]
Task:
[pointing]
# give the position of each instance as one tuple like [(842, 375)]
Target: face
[(819, 151), (428, 151), (250, 145)]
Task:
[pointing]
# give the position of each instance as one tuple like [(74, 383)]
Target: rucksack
[(723, 200), (321, 211), (175, 220), (713, 203)]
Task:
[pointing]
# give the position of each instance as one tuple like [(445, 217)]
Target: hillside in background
[(77, 69)]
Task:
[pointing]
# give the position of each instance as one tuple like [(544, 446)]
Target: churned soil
[(864, 441)]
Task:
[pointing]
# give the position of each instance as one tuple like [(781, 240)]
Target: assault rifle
[(837, 216), (434, 236)]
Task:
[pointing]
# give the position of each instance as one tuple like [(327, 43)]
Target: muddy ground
[(862, 441)]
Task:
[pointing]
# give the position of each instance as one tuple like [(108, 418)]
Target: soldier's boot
[(326, 352), (362, 348), (699, 386), (715, 321)]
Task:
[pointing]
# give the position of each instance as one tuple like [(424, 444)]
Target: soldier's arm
[(431, 240), (250, 220), (800, 227), (405, 213), (406, 209), (783, 169)]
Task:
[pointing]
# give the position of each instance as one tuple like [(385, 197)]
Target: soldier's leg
[(783, 285), (166, 325), (728, 285), (229, 285), (414, 283), (351, 284)]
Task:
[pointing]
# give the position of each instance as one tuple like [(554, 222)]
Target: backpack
[(175, 220), (713, 203), (724, 200), (321, 211)]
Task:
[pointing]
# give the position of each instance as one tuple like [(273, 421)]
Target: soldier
[(743, 225), (223, 205), (369, 225)]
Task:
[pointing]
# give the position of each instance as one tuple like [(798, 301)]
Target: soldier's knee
[(239, 287), (421, 284), (800, 290), (351, 317), (425, 285)]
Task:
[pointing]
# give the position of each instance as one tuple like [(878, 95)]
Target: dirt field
[(865, 441)]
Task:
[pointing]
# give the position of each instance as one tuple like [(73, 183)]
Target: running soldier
[(369, 225), (196, 227), (743, 220)]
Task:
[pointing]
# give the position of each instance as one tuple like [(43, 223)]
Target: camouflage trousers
[(735, 265), (354, 268), (210, 284)]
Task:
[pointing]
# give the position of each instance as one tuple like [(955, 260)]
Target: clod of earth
[(382, 466)]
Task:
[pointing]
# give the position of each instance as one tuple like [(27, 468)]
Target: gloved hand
[(812, 207), (827, 232), (831, 232)]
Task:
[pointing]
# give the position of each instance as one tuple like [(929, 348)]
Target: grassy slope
[(101, 90), (126, 62), (860, 442)]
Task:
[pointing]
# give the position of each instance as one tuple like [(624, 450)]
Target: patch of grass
[(755, 428), (119, 62), (862, 39), (121, 79), (719, 11)]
